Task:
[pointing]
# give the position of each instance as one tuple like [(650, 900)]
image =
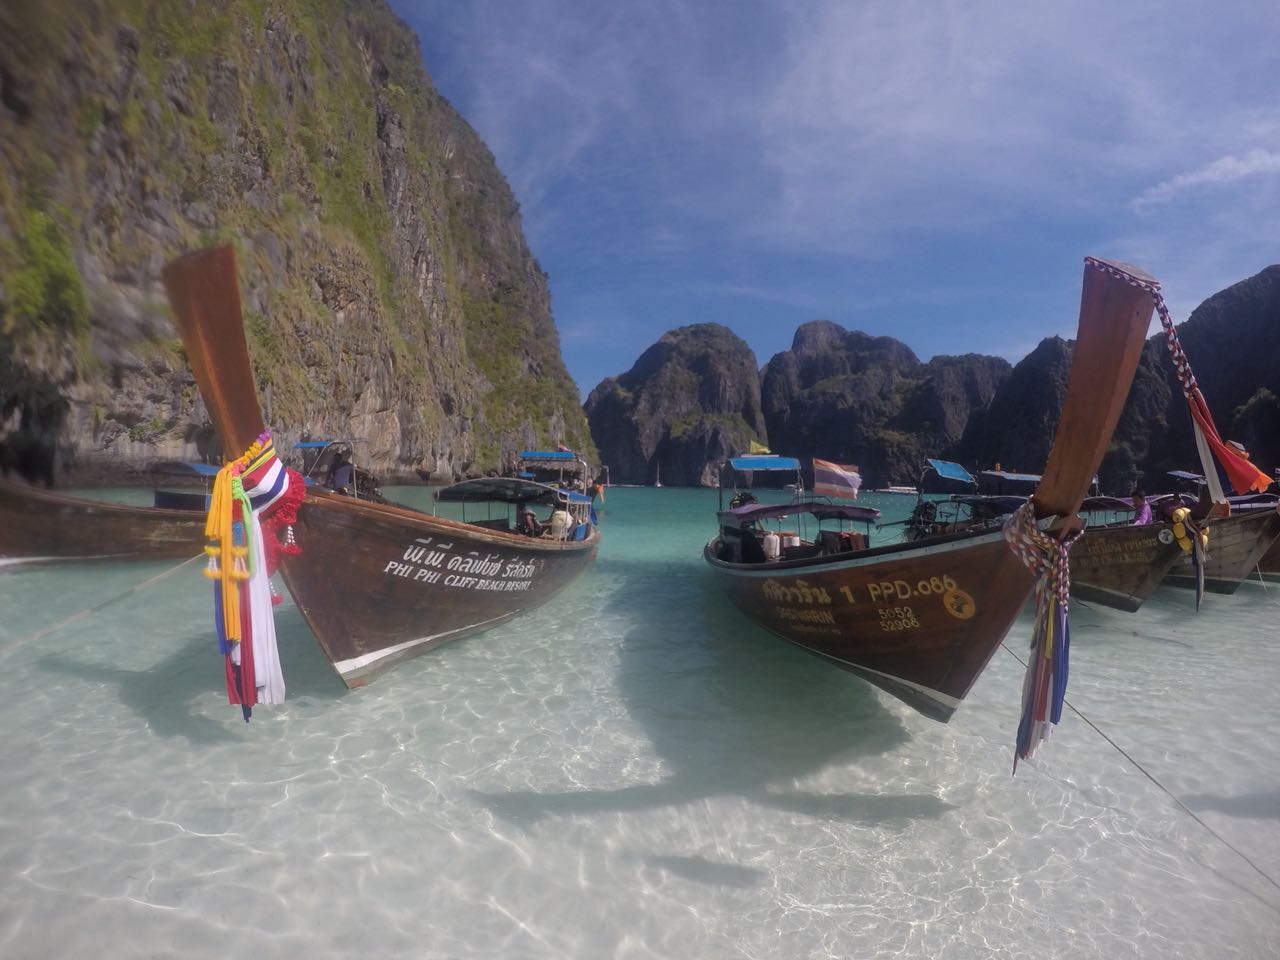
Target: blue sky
[(931, 171)]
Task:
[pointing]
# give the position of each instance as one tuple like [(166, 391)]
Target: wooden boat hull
[(1120, 566), (919, 621), (39, 524), (1269, 565), (1236, 545), (378, 584)]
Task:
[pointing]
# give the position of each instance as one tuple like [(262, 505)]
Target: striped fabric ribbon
[(265, 478), (1044, 688)]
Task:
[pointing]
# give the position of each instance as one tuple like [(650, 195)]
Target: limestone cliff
[(388, 290), (847, 396), (1232, 341), (691, 400), (851, 397)]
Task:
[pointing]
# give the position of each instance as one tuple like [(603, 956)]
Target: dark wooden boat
[(38, 524), (1113, 563), (1237, 545), (922, 619), (1269, 565), (1120, 565), (376, 583)]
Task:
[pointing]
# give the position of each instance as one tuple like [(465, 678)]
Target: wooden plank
[(1114, 317), (205, 296)]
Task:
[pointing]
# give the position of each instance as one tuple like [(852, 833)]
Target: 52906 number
[(893, 619)]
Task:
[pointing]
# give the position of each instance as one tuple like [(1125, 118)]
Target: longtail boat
[(376, 583), (1120, 564), (921, 619), (37, 524), (1237, 545), (1114, 563), (1269, 565)]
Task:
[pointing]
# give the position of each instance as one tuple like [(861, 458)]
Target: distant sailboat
[(657, 475)]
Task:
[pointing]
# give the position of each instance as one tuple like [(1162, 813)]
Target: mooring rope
[(1168, 793), (102, 605)]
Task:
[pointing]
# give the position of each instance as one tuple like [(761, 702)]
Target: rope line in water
[(1168, 793), (102, 605)]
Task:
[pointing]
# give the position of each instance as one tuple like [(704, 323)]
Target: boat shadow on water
[(733, 711), (164, 693)]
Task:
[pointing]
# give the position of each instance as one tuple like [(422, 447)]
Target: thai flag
[(835, 479)]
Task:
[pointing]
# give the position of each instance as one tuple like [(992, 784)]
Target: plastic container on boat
[(772, 545)]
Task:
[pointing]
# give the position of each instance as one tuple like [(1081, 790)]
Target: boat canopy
[(560, 456), (1002, 482), (506, 490), (764, 462), (182, 469), (951, 471), (755, 512), (992, 504), (1254, 500), (1187, 476), (1014, 477), (1105, 505)]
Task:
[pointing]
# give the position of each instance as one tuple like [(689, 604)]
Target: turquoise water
[(631, 772)]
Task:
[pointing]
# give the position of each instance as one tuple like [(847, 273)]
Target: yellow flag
[(758, 447)]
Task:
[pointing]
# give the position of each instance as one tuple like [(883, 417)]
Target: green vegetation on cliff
[(389, 292)]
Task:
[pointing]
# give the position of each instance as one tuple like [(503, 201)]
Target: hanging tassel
[(1044, 688), (211, 568), (247, 490)]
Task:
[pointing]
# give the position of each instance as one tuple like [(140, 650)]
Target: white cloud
[(1222, 171), (799, 154)]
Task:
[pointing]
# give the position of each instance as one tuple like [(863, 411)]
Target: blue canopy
[(762, 462), (547, 455), (182, 468), (1186, 475), (951, 471)]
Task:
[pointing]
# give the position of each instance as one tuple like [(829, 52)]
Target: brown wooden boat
[(1237, 544), (1114, 563), (1269, 565), (37, 524), (376, 583), (922, 619), (1121, 565)]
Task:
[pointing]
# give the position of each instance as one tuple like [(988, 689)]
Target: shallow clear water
[(633, 771)]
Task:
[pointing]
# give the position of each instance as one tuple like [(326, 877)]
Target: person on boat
[(527, 523), (341, 476), (1141, 509)]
